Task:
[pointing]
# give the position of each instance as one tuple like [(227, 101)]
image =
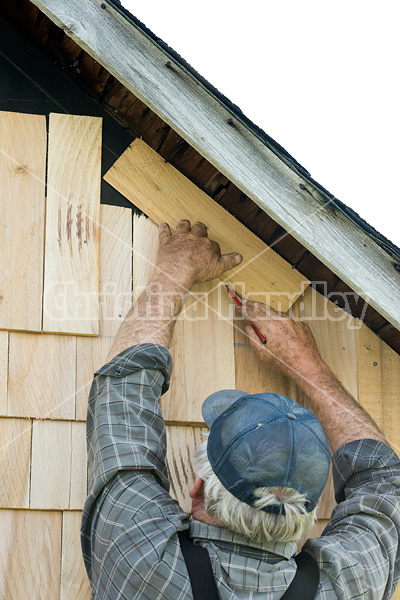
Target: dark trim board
[(31, 83)]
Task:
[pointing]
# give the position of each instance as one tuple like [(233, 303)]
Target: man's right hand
[(291, 347), (290, 344)]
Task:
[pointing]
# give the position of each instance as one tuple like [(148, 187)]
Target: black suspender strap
[(199, 568), (305, 582), (303, 587)]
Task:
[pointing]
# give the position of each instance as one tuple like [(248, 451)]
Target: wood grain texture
[(115, 267), (164, 194), (30, 554), (74, 580), (115, 298), (51, 464), (145, 247), (277, 185), (181, 445), (23, 144), (91, 354), (3, 371), (335, 332), (379, 383), (42, 375), (78, 483), (203, 353), (15, 462), (71, 278)]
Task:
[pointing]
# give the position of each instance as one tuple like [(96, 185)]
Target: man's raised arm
[(291, 347), (185, 256)]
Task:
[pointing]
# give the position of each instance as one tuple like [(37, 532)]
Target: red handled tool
[(238, 303)]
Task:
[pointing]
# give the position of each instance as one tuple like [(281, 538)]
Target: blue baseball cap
[(265, 440)]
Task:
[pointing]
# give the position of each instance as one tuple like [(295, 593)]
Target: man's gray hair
[(250, 521)]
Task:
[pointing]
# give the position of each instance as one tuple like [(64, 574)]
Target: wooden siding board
[(145, 247), (78, 484), (30, 554), (379, 383), (181, 445), (334, 331), (4, 336), (115, 297), (71, 279), (74, 580), (164, 194), (91, 354), (22, 213), (115, 267), (51, 465), (202, 352), (15, 462), (42, 375)]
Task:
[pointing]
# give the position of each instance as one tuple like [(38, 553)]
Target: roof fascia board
[(139, 63)]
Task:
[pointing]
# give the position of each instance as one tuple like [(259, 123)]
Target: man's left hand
[(189, 256)]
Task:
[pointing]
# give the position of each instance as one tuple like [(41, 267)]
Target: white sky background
[(320, 77)]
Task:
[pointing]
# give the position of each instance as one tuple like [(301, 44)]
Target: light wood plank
[(203, 354), (379, 383), (281, 188), (78, 486), (30, 554), (71, 279), (15, 462), (164, 194), (23, 144), (91, 355), (115, 298), (335, 333), (145, 247), (181, 445), (115, 267), (74, 580), (51, 464), (42, 375), (3, 371)]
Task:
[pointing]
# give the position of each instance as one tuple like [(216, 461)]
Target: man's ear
[(197, 490)]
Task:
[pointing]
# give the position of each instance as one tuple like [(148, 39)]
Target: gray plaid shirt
[(129, 523)]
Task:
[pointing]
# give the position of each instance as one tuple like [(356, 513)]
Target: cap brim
[(219, 402)]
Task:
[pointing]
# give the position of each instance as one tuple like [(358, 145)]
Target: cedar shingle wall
[(45, 377)]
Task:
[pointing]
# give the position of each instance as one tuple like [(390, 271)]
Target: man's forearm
[(291, 347), (152, 318), (342, 418)]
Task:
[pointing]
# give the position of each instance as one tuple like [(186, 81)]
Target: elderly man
[(260, 473)]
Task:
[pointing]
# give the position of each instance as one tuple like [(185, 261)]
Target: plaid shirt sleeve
[(129, 518), (359, 550)]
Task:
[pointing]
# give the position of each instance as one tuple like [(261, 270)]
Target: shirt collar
[(202, 531)]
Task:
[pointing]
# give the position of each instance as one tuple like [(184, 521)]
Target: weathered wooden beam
[(201, 119)]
